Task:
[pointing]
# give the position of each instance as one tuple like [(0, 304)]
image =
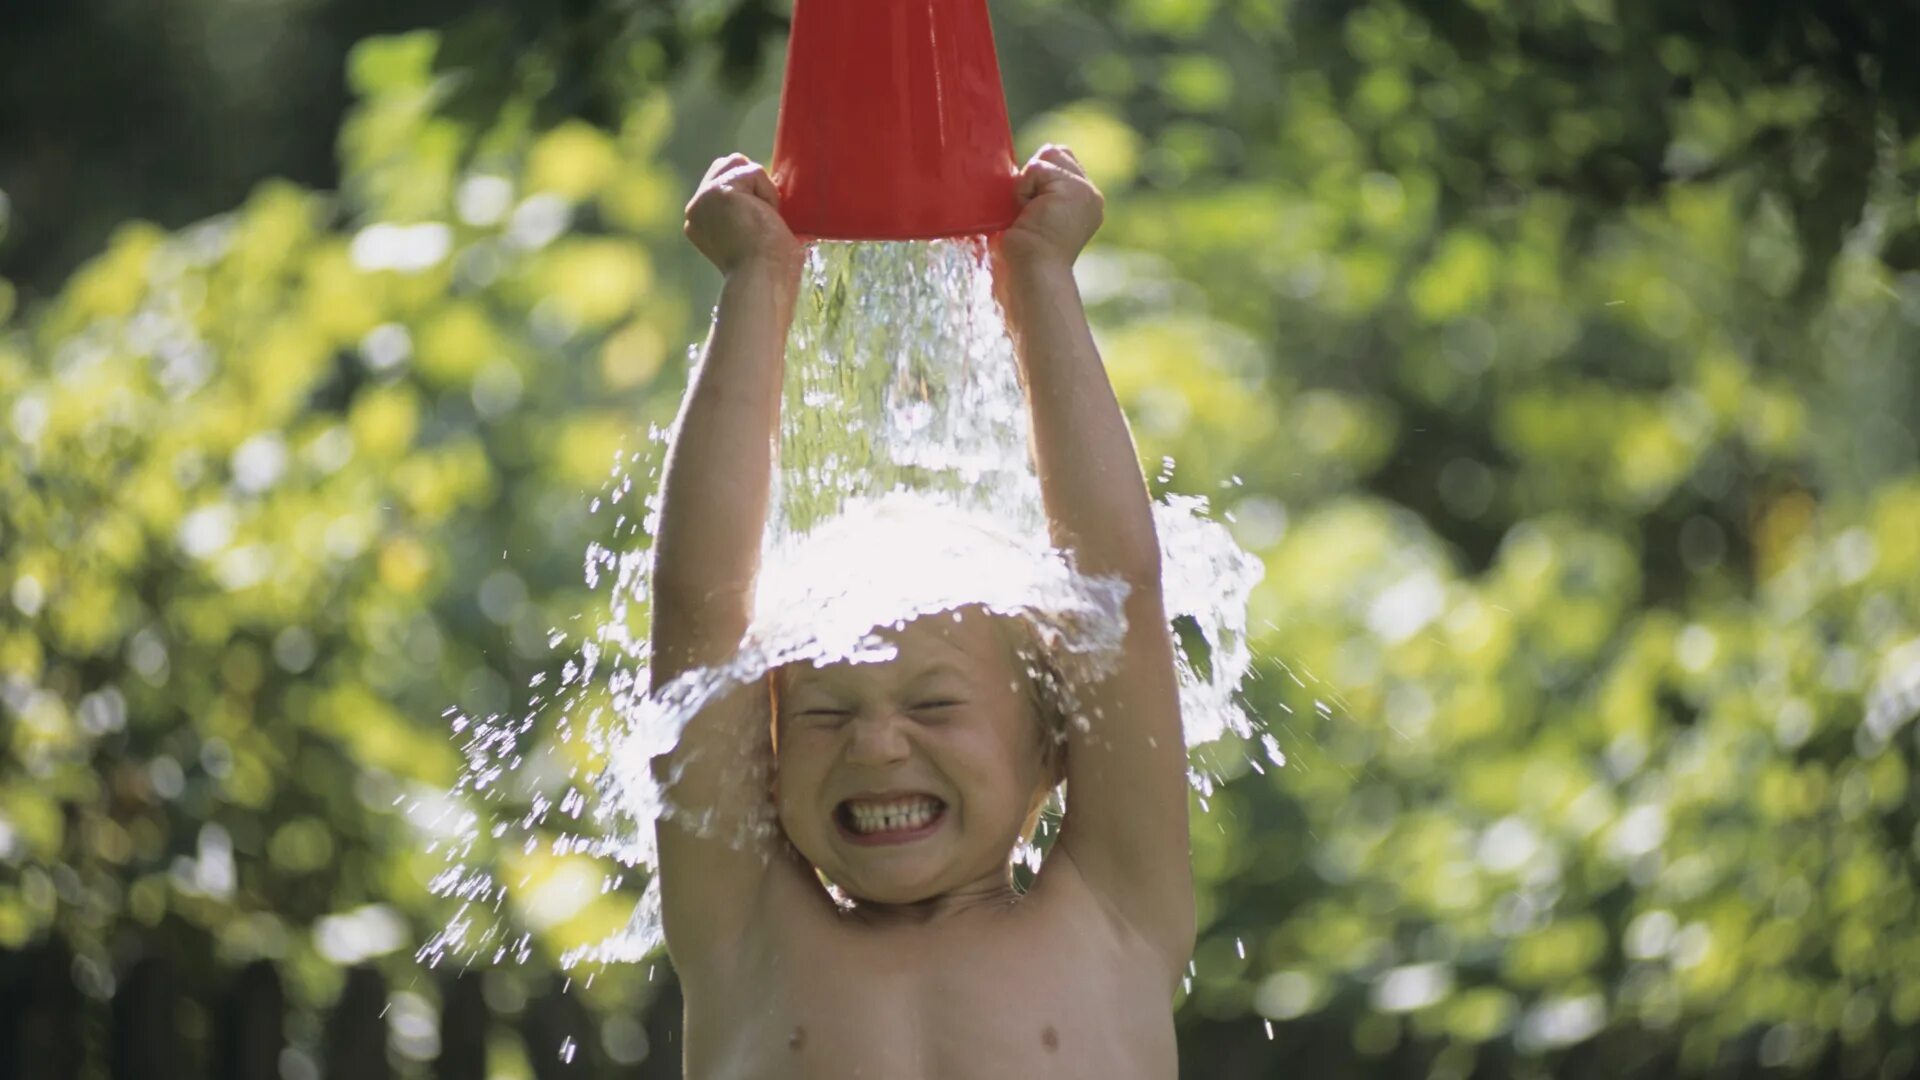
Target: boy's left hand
[(1060, 211)]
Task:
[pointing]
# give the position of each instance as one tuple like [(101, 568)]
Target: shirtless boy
[(907, 783)]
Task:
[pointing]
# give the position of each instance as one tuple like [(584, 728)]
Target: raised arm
[(1126, 826), (706, 553)]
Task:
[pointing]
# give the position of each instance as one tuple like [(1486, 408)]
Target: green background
[(1558, 359)]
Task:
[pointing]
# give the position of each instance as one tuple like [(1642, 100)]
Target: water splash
[(903, 489)]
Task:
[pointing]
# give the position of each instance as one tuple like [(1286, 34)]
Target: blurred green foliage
[(1556, 359)]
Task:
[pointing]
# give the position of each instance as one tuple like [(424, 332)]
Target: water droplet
[(912, 428), (1274, 753)]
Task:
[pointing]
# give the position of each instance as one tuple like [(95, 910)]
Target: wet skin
[(934, 967), (1045, 986)]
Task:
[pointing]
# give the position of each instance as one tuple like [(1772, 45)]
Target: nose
[(877, 737)]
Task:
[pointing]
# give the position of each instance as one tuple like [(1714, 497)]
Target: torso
[(1043, 985)]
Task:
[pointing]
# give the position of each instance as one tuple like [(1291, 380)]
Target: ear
[(1053, 766), (773, 738), (1031, 826), (773, 708), (1056, 759)]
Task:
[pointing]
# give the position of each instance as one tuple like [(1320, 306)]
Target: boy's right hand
[(734, 218)]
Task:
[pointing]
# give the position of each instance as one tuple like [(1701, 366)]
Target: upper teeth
[(909, 813)]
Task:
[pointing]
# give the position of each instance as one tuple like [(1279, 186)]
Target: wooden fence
[(50, 1030)]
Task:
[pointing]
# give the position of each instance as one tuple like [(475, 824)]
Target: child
[(908, 783)]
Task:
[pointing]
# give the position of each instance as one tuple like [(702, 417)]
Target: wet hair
[(1040, 681)]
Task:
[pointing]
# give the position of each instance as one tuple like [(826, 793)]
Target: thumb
[(1040, 177), (763, 187), (1027, 187)]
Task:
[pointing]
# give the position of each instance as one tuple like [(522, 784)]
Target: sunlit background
[(1558, 359)]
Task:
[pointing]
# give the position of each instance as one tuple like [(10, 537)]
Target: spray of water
[(904, 489)]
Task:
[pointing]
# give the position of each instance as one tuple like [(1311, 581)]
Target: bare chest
[(1019, 997)]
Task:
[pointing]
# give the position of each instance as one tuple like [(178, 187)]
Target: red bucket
[(893, 123)]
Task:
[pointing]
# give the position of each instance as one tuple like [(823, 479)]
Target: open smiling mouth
[(889, 821)]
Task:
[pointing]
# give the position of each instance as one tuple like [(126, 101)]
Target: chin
[(888, 885), (896, 886), (855, 886)]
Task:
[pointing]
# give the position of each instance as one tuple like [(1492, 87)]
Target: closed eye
[(937, 704)]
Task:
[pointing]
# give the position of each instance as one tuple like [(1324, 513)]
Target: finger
[(1045, 176), (762, 186), (1027, 187), (737, 173), (750, 180), (1063, 157), (723, 165)]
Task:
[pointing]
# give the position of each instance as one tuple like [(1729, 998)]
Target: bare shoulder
[(780, 905)]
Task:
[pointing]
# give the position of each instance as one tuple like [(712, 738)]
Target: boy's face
[(912, 779)]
